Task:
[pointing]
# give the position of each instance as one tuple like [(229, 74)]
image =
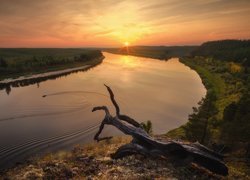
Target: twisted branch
[(117, 108), (146, 145), (104, 121)]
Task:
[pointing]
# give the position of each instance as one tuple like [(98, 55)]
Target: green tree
[(237, 121), (197, 126), (229, 112)]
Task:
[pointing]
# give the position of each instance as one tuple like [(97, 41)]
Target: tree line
[(13, 62), (224, 114), (226, 50)]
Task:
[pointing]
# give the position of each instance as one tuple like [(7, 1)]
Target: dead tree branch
[(146, 145)]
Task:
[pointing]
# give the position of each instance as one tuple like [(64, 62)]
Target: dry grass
[(92, 161)]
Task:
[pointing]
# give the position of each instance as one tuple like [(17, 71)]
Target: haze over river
[(146, 89)]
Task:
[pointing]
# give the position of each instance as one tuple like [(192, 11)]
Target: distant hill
[(228, 50), (158, 52)]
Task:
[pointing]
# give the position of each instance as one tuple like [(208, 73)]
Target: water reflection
[(42, 115), (128, 61)]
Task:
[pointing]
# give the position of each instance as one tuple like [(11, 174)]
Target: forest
[(20, 61), (226, 50), (222, 119)]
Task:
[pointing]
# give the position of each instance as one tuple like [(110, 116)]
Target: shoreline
[(176, 133), (40, 75), (139, 55), (37, 78)]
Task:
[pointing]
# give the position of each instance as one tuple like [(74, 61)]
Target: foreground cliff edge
[(93, 161)]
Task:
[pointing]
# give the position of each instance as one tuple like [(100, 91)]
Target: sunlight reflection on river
[(146, 89)]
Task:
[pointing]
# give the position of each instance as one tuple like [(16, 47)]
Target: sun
[(126, 43)]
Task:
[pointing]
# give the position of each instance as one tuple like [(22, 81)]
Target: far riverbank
[(27, 62)]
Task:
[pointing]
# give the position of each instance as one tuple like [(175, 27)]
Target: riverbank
[(27, 62), (37, 78), (51, 72), (224, 131), (215, 83)]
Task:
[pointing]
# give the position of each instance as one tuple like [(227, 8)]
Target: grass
[(213, 82), (225, 91), (178, 133), (92, 161)]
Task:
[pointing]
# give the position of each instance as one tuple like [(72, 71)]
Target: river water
[(56, 114)]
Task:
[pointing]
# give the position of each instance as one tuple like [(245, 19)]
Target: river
[(56, 114)]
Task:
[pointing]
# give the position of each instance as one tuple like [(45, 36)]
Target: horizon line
[(101, 47)]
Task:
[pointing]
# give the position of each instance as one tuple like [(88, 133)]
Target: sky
[(111, 23)]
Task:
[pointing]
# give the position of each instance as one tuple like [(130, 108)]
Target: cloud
[(110, 22)]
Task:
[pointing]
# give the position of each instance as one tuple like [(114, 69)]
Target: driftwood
[(146, 145)]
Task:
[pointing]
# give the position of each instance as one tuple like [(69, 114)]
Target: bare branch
[(112, 97), (97, 138), (147, 145), (117, 108), (104, 121), (104, 108)]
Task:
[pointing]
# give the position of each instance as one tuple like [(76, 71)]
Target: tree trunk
[(146, 145)]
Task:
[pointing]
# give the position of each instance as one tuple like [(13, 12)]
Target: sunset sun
[(126, 43)]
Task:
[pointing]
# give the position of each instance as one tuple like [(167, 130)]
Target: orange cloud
[(63, 23)]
